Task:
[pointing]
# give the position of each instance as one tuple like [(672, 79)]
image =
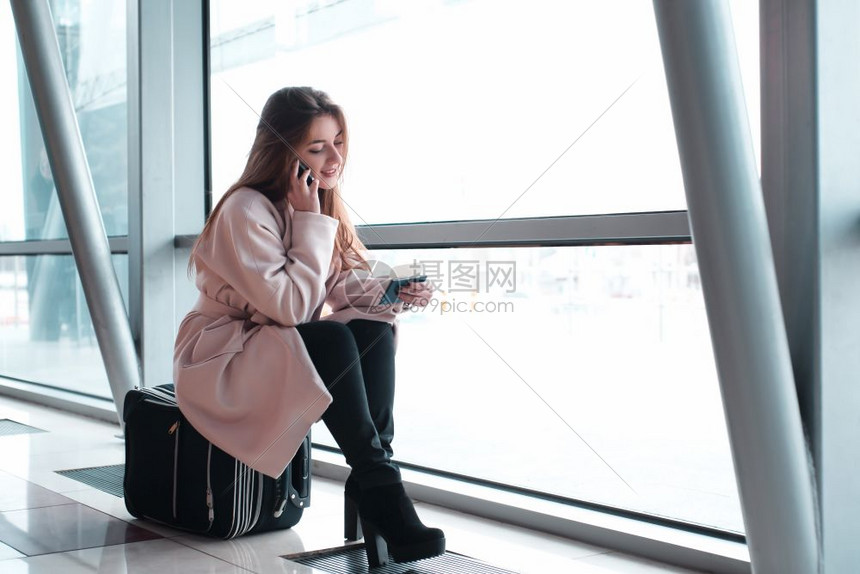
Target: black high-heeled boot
[(351, 523), (391, 524)]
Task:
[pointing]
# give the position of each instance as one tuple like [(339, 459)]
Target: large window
[(584, 372), (466, 110), (97, 79), (46, 333), (45, 330), (593, 379)]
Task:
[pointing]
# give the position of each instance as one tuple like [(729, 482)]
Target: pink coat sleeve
[(280, 273)]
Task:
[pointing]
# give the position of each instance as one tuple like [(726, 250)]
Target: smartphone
[(302, 169), (390, 295)]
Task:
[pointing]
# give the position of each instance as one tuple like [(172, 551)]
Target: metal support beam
[(53, 247), (811, 181), (789, 167), (630, 229), (65, 148), (167, 151), (625, 228), (730, 234)]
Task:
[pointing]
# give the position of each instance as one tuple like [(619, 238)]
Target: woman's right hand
[(301, 196)]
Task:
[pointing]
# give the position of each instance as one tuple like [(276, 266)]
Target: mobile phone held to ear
[(305, 169), (391, 293)]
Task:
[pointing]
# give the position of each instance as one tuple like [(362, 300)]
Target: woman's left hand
[(416, 294)]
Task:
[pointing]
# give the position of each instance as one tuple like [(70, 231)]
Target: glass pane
[(46, 334), (92, 38), (469, 109), (585, 372)]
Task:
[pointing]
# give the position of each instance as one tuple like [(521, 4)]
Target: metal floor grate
[(353, 560), (9, 427), (105, 478)]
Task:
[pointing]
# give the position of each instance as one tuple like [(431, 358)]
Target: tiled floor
[(53, 524)]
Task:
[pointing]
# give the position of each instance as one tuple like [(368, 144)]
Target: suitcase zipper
[(209, 501), (174, 430), (280, 498)]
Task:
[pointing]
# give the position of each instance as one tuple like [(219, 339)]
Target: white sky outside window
[(456, 110), (11, 196)]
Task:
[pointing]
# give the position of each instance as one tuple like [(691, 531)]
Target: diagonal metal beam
[(74, 183), (730, 234)]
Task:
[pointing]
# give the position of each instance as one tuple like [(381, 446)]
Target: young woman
[(256, 363)]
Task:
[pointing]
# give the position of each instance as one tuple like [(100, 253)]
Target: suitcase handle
[(299, 483), (296, 479)]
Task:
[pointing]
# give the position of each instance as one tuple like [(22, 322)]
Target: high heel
[(376, 548), (351, 523), (391, 525)]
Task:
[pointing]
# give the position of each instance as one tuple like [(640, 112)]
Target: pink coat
[(243, 377)]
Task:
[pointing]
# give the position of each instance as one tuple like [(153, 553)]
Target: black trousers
[(356, 363)]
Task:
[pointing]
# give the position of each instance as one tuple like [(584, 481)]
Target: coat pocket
[(224, 336)]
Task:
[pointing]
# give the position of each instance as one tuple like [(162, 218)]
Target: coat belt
[(215, 309)]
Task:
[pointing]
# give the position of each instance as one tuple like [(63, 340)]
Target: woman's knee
[(329, 341), (329, 332), (367, 331)]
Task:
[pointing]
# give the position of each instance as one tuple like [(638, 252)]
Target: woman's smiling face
[(323, 150)]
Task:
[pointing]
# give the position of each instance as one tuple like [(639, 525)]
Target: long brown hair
[(284, 123)]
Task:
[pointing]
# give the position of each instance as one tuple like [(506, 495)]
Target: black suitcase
[(175, 476)]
